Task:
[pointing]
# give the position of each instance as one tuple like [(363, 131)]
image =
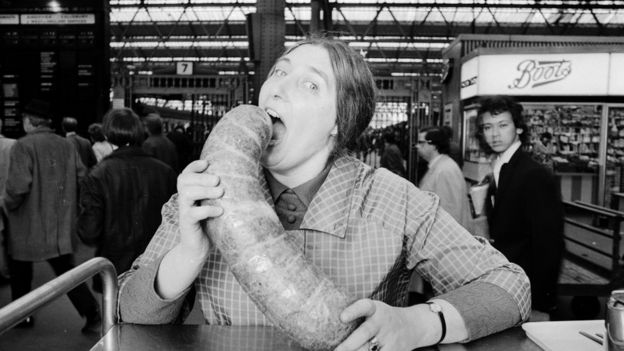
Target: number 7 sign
[(184, 68)]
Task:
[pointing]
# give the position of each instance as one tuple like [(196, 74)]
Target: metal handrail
[(16, 311)]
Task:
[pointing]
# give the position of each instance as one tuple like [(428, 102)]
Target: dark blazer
[(526, 224)]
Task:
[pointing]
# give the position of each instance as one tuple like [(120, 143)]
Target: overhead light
[(54, 6)]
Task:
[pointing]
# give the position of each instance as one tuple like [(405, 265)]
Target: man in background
[(443, 177), (391, 158), (82, 145), (41, 199), (5, 149), (524, 208), (157, 144)]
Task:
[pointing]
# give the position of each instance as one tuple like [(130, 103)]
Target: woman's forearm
[(178, 270)]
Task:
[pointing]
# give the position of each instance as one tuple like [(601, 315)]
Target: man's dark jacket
[(163, 149), (526, 224), (120, 203), (83, 146)]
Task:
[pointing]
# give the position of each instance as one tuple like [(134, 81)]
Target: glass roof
[(397, 32), (511, 11)]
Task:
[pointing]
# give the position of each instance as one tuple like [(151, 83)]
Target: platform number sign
[(184, 68)]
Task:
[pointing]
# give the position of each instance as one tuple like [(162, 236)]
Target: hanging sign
[(184, 68), (58, 18)]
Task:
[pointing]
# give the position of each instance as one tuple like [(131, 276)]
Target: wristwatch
[(435, 308)]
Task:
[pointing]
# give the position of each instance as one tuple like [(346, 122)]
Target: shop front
[(574, 95)]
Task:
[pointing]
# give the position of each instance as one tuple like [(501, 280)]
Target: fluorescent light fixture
[(54, 6)]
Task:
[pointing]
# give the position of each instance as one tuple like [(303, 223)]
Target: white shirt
[(434, 160), (502, 158)]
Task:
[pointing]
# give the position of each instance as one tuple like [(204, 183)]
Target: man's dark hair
[(123, 127), (448, 130), (496, 105), (153, 123), (96, 133), (437, 137), (69, 124)]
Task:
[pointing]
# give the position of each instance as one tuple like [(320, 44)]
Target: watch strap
[(442, 320)]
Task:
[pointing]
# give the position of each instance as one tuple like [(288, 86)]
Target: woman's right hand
[(194, 186)]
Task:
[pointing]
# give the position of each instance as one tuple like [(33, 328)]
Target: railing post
[(615, 259), (16, 311)]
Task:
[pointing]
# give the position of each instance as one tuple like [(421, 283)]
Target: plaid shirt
[(366, 229)]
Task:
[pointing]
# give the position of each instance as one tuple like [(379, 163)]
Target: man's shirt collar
[(504, 157)]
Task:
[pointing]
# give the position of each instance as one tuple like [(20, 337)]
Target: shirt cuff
[(486, 308)]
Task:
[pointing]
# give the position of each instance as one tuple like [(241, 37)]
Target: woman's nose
[(282, 88)]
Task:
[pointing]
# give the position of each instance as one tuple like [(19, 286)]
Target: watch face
[(434, 307)]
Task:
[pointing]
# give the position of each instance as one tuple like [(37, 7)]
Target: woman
[(101, 147), (367, 229), (121, 198)]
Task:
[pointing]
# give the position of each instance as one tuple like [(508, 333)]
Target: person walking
[(443, 177), (41, 199), (391, 157), (120, 199), (101, 147), (5, 150), (157, 144), (70, 125)]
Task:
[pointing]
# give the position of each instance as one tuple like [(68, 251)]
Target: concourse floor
[(57, 325)]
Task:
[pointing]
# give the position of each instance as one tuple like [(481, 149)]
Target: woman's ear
[(334, 131)]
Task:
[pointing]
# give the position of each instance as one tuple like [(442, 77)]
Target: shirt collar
[(305, 192), (68, 134), (329, 209), (507, 154)]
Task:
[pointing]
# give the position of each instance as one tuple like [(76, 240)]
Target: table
[(132, 337)]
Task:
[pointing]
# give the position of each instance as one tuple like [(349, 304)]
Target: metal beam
[(189, 29), (517, 5)]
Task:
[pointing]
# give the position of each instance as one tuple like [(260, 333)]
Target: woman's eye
[(279, 72), (311, 86)]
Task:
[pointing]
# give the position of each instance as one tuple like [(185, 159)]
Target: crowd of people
[(106, 190), (368, 228)]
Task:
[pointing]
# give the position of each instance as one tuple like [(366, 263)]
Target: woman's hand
[(393, 328), (194, 186)]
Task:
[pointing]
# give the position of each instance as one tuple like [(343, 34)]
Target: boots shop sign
[(593, 74)]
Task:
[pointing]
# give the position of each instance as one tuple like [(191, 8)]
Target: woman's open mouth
[(279, 129)]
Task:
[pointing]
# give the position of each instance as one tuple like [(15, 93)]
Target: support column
[(270, 30), (316, 8)]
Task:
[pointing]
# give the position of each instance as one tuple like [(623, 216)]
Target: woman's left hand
[(390, 327)]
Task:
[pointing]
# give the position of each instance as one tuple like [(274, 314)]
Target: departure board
[(55, 50)]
